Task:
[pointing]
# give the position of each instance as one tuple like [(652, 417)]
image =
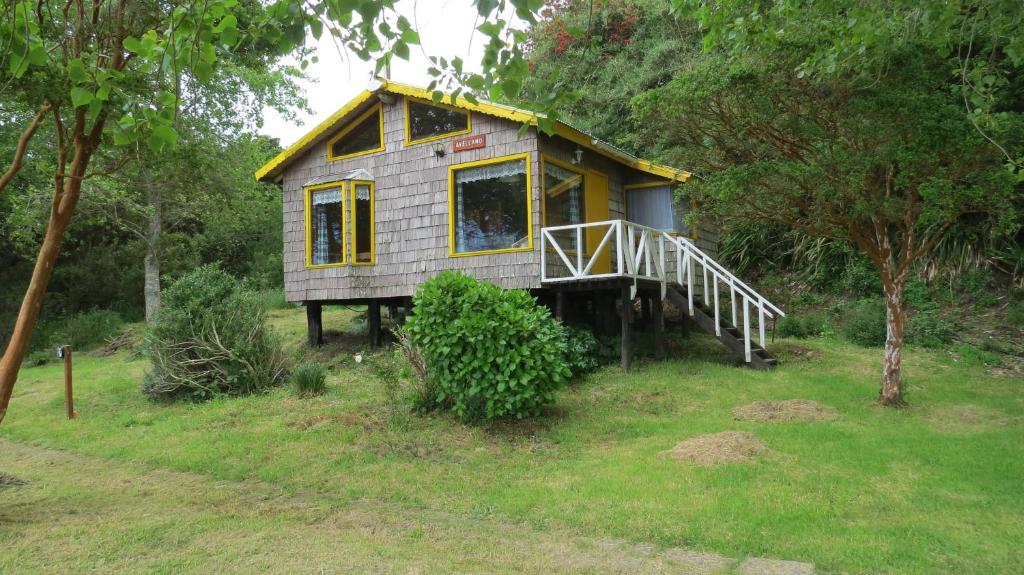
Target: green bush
[(210, 338), (87, 330), (310, 379), (801, 326), (932, 328), (1015, 314), (581, 350), (863, 322), (860, 278), (489, 353)]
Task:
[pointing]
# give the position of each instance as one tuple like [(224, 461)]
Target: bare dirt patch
[(965, 418), (786, 410), (718, 448)]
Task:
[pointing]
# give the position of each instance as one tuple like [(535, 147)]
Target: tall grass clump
[(489, 353), (211, 338), (310, 379)]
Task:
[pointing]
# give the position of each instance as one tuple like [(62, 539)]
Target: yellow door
[(595, 207)]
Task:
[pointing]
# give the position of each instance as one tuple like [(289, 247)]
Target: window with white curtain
[(490, 207), (326, 226), (655, 207)]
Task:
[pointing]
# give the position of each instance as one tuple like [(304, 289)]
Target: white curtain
[(321, 243), (654, 207)]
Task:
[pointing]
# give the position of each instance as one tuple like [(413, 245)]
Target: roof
[(275, 167)]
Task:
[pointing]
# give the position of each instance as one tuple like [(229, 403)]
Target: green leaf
[(162, 138), (80, 97), (76, 71)]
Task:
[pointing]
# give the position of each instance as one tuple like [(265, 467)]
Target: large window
[(489, 206), (563, 194), (364, 135), (325, 225), (653, 205), (426, 121), (362, 223)]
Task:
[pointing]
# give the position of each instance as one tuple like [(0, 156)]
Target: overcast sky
[(446, 27)]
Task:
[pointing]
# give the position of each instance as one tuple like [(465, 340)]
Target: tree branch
[(23, 140)]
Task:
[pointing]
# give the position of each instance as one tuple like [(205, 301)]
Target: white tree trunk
[(152, 259)]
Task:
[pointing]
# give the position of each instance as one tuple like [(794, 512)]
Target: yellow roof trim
[(313, 134), (484, 107)]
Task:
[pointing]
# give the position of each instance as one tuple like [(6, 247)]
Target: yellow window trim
[(408, 122), (529, 205), (373, 222), (307, 193), (650, 185), (375, 109)]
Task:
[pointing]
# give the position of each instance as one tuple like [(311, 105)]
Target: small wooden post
[(560, 305), (69, 400), (373, 322), (627, 312), (658, 317), (314, 323), (645, 308)]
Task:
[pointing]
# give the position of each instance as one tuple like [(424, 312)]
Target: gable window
[(654, 206), (364, 135), (563, 194), (489, 206), (426, 121), (325, 225), (362, 223)]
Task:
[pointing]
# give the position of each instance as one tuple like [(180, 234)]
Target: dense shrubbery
[(210, 337), (581, 350), (801, 325), (932, 328), (863, 322), (489, 353)]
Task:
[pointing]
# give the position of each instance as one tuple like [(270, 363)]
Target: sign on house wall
[(469, 143)]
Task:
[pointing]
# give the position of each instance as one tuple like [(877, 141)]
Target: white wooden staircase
[(713, 297)]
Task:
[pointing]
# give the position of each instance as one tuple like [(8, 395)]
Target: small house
[(394, 187)]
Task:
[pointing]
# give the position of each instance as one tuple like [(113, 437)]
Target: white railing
[(628, 250)]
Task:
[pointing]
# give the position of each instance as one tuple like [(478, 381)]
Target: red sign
[(469, 143)]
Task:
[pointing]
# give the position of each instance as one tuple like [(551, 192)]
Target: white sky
[(447, 28)]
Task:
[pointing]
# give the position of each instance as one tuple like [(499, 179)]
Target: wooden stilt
[(373, 322), (645, 309), (627, 312), (560, 305), (658, 318), (314, 323)]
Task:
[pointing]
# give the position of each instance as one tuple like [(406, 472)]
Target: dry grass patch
[(718, 448), (8, 480), (965, 418), (786, 410)]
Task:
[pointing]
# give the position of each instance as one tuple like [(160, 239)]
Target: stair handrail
[(729, 278)]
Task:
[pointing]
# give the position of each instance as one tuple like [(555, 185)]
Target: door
[(595, 208)]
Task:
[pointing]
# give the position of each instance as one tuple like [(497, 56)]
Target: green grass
[(935, 488)]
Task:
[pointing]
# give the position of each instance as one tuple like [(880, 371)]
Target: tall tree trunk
[(895, 319), (152, 259)]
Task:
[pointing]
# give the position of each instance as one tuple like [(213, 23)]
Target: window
[(325, 225), (654, 206), (489, 206), (364, 135), (362, 223), (426, 121), (563, 194)]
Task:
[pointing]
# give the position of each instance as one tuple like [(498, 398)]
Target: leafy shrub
[(489, 353), (210, 337), (581, 350), (860, 278), (801, 326), (863, 322), (932, 328), (37, 358), (87, 330), (919, 296), (1015, 314), (310, 379)]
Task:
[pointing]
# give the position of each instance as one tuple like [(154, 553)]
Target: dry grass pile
[(718, 448), (786, 410), (8, 480)]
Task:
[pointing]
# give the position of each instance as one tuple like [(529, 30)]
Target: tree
[(846, 122), (112, 73)]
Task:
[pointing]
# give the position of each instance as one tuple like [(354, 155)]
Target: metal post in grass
[(64, 352)]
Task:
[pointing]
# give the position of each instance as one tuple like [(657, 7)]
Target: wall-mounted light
[(577, 156), (439, 151)]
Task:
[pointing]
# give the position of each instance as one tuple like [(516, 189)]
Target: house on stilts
[(394, 188)]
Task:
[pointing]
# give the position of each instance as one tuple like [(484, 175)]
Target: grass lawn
[(349, 481)]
